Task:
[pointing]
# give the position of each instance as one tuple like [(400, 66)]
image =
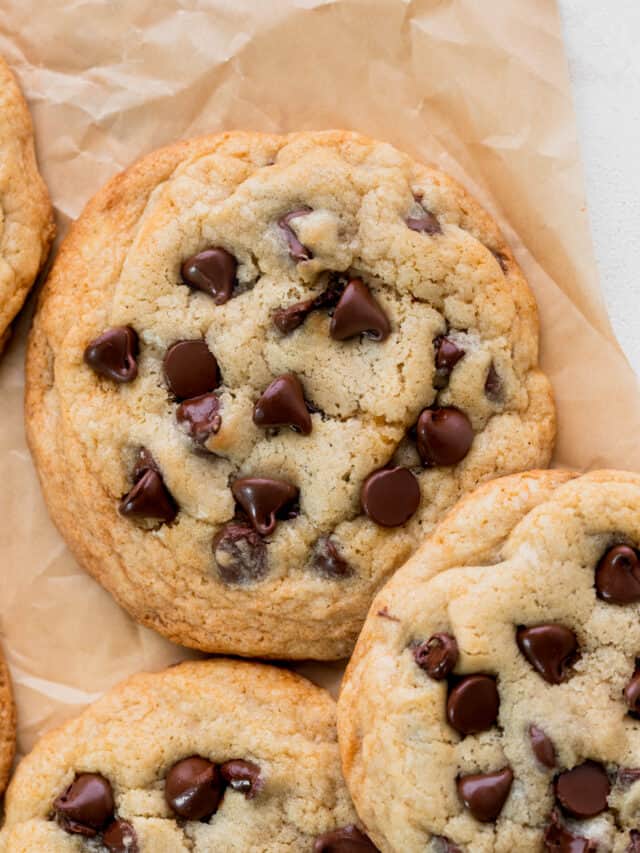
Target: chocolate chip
[(550, 649), (120, 837), (634, 843), (282, 404), (240, 554), (193, 788), (348, 839), (473, 704), (190, 369), (437, 656), (485, 794), (425, 223), (618, 575), (297, 251), (201, 416), (632, 693), (445, 845), (149, 498), (444, 436), (448, 354), (558, 838), (86, 806), (501, 259), (493, 385), (357, 313), (212, 271), (628, 776), (243, 776), (542, 747), (262, 498), (113, 354), (582, 792), (288, 319), (328, 562), (390, 496)]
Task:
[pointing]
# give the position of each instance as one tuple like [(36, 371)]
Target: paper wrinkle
[(484, 96)]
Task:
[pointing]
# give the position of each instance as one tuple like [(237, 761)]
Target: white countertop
[(604, 62)]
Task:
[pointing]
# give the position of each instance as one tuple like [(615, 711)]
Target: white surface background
[(604, 62)]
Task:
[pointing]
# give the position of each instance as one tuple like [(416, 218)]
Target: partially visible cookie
[(262, 368), (7, 725), (493, 700), (26, 218), (209, 757)]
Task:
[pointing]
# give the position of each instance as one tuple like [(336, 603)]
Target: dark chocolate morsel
[(327, 560), (262, 498), (628, 776), (113, 354), (448, 354), (193, 788), (542, 747), (550, 649), (86, 806), (437, 656), (473, 704), (632, 693), (190, 369), (582, 792), (634, 841), (618, 575), (212, 271), (243, 776), (297, 251), (288, 319), (201, 416), (485, 794), (120, 837), (240, 554), (444, 436), (348, 839), (425, 223), (558, 839), (493, 385), (283, 404), (357, 312), (390, 496), (149, 498)]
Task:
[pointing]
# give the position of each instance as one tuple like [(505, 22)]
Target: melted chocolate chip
[(634, 841), (448, 354), (113, 354), (288, 319), (200, 416), (618, 575), (212, 271), (297, 251), (493, 385), (542, 747), (485, 794), (348, 839), (473, 704), (328, 562), (628, 776), (425, 223), (283, 404), (262, 498), (390, 496), (632, 693), (240, 554), (193, 788), (437, 656), (120, 837), (444, 436), (582, 792), (86, 806), (357, 312), (242, 776), (550, 649), (149, 498), (558, 838), (190, 369)]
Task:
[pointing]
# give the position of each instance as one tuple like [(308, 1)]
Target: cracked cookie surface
[(26, 220), (206, 756), (263, 367), (492, 702)]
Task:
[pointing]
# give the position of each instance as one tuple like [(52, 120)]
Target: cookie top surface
[(26, 221), (493, 697), (208, 756), (262, 368)]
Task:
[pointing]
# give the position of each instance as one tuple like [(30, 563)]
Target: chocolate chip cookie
[(206, 757), (493, 700), (26, 220), (263, 367), (7, 725)]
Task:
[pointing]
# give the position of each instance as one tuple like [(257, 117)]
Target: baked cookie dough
[(7, 725), (208, 757), (263, 367), (26, 219), (493, 700)]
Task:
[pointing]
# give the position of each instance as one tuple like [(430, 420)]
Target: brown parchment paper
[(479, 88)]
